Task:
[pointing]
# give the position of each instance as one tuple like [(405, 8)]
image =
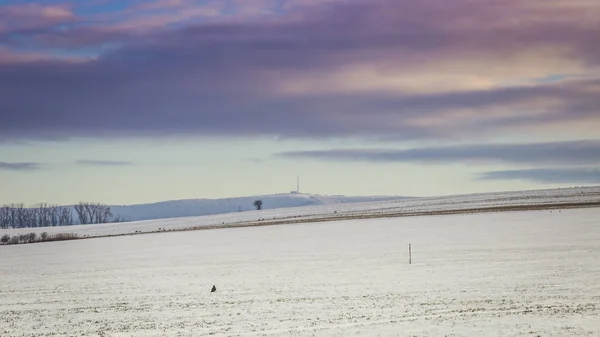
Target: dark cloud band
[(547, 175), (557, 153), (103, 163), (4, 166)]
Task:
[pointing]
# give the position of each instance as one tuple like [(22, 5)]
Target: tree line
[(45, 215)]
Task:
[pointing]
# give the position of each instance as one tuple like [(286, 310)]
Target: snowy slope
[(333, 210), (326, 204), (197, 207)]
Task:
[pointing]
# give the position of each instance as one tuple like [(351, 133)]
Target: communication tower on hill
[(297, 191)]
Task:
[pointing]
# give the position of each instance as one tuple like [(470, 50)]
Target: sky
[(126, 102)]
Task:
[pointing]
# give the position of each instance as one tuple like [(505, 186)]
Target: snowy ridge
[(587, 195), (199, 207)]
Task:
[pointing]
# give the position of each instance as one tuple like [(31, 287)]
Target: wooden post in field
[(409, 254)]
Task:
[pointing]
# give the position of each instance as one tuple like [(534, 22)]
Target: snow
[(201, 207), (335, 210), (529, 273)]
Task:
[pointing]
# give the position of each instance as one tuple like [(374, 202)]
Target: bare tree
[(258, 204), (45, 215), (93, 213), (36, 217), (16, 216), (103, 213), (20, 215), (65, 216), (81, 213), (90, 211), (54, 215), (40, 212), (4, 217), (12, 215), (29, 216)]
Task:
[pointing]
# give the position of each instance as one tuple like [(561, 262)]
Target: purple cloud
[(377, 68), (4, 166), (557, 153)]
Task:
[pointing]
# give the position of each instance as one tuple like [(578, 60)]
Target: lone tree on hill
[(257, 204)]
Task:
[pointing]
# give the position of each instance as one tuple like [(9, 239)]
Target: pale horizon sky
[(143, 171), (135, 102)]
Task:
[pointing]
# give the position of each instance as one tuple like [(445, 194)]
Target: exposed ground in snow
[(502, 201), (530, 273)]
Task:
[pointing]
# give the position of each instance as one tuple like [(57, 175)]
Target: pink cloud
[(8, 56), (15, 57), (33, 16), (178, 13), (163, 4)]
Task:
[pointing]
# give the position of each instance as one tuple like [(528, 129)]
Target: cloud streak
[(22, 166), (557, 153), (547, 175), (87, 162)]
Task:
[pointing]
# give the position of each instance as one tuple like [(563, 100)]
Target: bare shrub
[(31, 238), (63, 237), (118, 218)]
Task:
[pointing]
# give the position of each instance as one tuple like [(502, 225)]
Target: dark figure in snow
[(213, 289)]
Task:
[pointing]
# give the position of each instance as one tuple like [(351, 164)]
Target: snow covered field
[(533, 273)]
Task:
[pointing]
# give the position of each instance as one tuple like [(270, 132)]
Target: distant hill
[(197, 207)]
